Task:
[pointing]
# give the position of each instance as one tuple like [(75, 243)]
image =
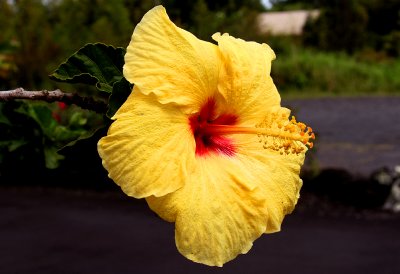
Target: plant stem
[(54, 96)]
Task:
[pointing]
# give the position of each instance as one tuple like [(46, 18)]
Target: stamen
[(285, 136), (211, 132)]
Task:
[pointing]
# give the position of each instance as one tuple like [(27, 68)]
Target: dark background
[(63, 215)]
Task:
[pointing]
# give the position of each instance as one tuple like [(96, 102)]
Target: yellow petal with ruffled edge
[(217, 215), (149, 149), (278, 179), (228, 202), (245, 80), (278, 175), (251, 94), (171, 62)]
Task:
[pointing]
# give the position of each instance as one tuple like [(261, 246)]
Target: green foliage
[(340, 26), (240, 23), (44, 32), (383, 16), (205, 17), (38, 131), (185, 12), (101, 66), (301, 71), (285, 5), (120, 93), (76, 23), (6, 21), (94, 64), (34, 47), (350, 25), (391, 43)]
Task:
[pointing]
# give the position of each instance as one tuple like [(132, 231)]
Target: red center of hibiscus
[(206, 139)]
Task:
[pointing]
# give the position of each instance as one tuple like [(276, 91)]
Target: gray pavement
[(50, 231), (359, 135)]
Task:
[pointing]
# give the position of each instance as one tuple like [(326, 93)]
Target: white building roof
[(285, 22)]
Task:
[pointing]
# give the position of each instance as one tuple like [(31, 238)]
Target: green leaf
[(120, 93), (3, 118), (55, 136), (52, 157), (94, 64), (42, 115), (12, 145), (77, 120), (15, 144), (88, 134)]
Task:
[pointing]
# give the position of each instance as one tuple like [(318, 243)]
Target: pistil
[(288, 134), (212, 132)]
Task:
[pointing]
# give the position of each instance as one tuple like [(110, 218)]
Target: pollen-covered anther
[(285, 136), (307, 134)]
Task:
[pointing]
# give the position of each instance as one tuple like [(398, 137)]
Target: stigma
[(212, 132)]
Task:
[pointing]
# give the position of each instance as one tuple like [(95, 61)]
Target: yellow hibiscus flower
[(204, 140)]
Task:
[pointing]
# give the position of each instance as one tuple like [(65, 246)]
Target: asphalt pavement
[(360, 135), (51, 230), (57, 231)]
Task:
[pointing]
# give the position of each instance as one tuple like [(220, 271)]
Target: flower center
[(206, 140), (276, 132)]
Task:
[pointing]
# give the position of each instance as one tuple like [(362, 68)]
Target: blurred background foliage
[(352, 48), (38, 35)]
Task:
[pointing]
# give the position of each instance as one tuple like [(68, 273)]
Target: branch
[(53, 96)]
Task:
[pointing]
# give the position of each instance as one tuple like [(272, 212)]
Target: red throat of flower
[(276, 132), (206, 140)]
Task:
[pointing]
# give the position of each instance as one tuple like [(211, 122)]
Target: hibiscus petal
[(280, 185), (149, 149), (171, 62), (245, 80), (278, 173), (217, 215)]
